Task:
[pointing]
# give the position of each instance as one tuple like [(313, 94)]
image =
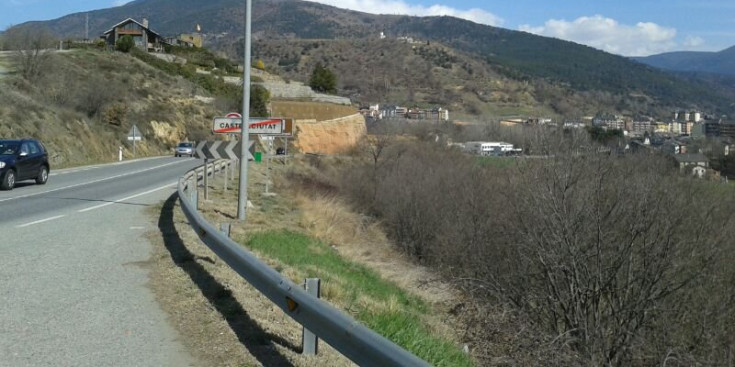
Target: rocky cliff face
[(331, 136)]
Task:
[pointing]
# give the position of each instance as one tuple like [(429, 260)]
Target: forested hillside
[(549, 64), (722, 62)]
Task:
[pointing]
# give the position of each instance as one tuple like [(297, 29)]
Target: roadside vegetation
[(608, 260), (201, 73), (377, 303), (302, 233), (81, 103)]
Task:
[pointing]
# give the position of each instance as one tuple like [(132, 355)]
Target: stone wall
[(296, 90), (331, 136), (291, 90)]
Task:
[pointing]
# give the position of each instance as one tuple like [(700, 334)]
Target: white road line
[(90, 182), (127, 198), (39, 221), (62, 171)]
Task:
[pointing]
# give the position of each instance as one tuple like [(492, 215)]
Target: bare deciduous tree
[(602, 242), (33, 49), (617, 257)]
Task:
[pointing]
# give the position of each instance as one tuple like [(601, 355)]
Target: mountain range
[(571, 71), (722, 62)]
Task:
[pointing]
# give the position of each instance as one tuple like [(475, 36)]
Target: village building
[(143, 37)]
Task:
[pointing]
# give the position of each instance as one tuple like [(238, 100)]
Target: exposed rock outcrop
[(329, 137)]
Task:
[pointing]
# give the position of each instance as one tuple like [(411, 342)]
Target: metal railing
[(355, 341)]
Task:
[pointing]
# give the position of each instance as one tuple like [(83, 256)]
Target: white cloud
[(693, 41), (641, 39), (120, 2), (403, 8)]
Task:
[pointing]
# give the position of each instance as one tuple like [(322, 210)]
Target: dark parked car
[(20, 160), (184, 148)]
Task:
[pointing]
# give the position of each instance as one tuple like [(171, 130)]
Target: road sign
[(134, 134), (234, 114), (219, 149), (258, 126)]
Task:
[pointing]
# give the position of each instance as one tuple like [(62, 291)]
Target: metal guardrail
[(355, 341)]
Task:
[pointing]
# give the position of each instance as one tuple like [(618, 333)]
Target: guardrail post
[(309, 341), (195, 196), (225, 228), (206, 181), (267, 172), (233, 167), (192, 186), (225, 172)]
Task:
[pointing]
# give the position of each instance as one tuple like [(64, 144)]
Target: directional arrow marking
[(229, 152), (220, 149), (199, 149), (213, 150)]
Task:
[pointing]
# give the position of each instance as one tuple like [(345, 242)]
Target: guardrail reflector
[(292, 305)]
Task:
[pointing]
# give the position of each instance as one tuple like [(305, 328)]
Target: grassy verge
[(498, 162), (377, 303)]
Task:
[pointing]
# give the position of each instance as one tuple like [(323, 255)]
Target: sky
[(623, 27)]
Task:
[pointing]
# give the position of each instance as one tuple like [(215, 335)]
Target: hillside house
[(640, 127), (143, 37), (371, 111), (686, 160), (674, 147), (191, 40), (719, 129), (687, 116), (681, 128), (388, 111), (571, 124), (608, 121)]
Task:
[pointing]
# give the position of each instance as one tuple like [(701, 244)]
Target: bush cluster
[(619, 258)]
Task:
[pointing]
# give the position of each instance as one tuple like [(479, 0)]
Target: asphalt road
[(72, 288)]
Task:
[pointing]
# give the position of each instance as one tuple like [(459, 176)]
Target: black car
[(20, 160)]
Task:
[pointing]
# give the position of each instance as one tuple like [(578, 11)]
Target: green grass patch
[(498, 162), (377, 303)]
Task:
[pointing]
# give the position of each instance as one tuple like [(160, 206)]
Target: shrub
[(323, 80), (260, 65), (115, 114), (617, 257), (125, 43)]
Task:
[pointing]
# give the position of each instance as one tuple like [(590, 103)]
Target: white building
[(485, 148)]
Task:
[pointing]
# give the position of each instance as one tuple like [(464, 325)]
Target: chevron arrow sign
[(219, 149)]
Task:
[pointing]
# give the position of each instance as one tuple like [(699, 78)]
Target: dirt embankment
[(322, 128), (329, 137)]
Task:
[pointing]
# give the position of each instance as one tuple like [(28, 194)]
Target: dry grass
[(66, 108), (216, 334), (223, 320), (360, 239)]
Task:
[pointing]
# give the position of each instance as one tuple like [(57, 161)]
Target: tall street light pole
[(242, 201)]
